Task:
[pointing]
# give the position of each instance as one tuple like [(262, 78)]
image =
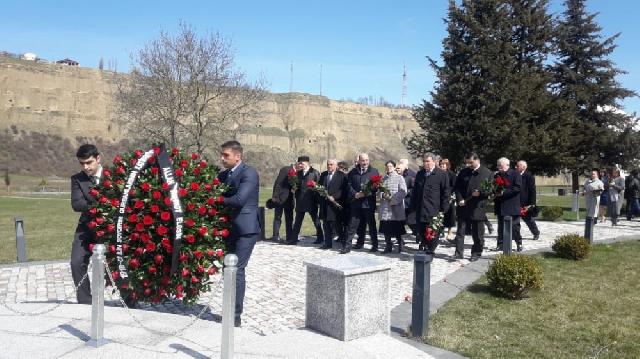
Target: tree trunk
[(575, 186)]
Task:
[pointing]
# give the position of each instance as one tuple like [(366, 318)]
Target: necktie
[(94, 180), (329, 178)]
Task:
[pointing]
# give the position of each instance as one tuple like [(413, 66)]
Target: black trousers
[(241, 247), (477, 233), (80, 256), (328, 226), (288, 222), (429, 245), (297, 225), (358, 217), (515, 230), (530, 221)]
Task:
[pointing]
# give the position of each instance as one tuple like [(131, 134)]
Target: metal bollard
[(588, 229), (20, 246), (97, 297), (261, 218), (507, 231), (228, 304), (421, 294)]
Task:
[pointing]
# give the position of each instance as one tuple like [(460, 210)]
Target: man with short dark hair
[(81, 182), (242, 198), (431, 192), (282, 198), (306, 201)]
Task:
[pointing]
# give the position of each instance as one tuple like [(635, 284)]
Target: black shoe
[(475, 257), (373, 249), (400, 244), (324, 246), (345, 250), (459, 256), (275, 238), (237, 322), (291, 243), (536, 237), (387, 250), (519, 248), (358, 246), (130, 303), (317, 242)]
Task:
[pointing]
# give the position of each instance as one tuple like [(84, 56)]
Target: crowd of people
[(606, 191), (430, 202)]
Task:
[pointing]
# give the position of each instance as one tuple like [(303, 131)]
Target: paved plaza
[(275, 297)]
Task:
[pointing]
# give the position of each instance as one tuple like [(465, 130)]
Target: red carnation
[(190, 206), (211, 201), (203, 164), (195, 186), (145, 237), (292, 173), (117, 159), (311, 184), (182, 192), (158, 259), (195, 279), (212, 271), (91, 245), (138, 204), (155, 208), (134, 236), (93, 211), (208, 187), (200, 268), (165, 280), (94, 192), (210, 252), (223, 219), (165, 242), (115, 275), (219, 252), (92, 224), (189, 238), (189, 222), (167, 201), (147, 220), (165, 186), (146, 187), (140, 227), (147, 292), (202, 211), (132, 192), (152, 159), (125, 247), (120, 182), (99, 233), (106, 183), (128, 209), (175, 151), (165, 216), (133, 162), (103, 200), (120, 170), (134, 263), (146, 282), (162, 230), (214, 232), (185, 272), (115, 202), (106, 173), (138, 251), (154, 170), (196, 171), (111, 227), (197, 254), (179, 172), (184, 163), (99, 220), (138, 153), (150, 247), (162, 292), (156, 195), (213, 212), (194, 156), (153, 270), (220, 199), (215, 181), (183, 257), (224, 233)]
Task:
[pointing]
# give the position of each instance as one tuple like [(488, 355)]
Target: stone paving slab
[(276, 277)]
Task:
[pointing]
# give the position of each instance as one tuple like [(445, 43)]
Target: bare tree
[(185, 91)]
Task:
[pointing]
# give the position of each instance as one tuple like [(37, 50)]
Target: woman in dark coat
[(449, 220)]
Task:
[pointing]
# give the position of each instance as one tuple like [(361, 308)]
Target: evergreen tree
[(492, 94), (590, 94)]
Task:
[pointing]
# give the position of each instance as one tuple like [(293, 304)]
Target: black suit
[(430, 196), (508, 204), (473, 212), (409, 179), (331, 216), (362, 209), (80, 254), (528, 198), (306, 202), (284, 203)]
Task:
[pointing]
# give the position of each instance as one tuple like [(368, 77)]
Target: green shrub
[(571, 246), (512, 276), (552, 213)]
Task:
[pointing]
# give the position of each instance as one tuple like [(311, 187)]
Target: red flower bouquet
[(163, 225), (436, 228), (495, 185), (373, 184), (322, 191), (292, 178)]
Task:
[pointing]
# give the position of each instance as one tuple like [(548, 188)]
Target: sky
[(361, 46)]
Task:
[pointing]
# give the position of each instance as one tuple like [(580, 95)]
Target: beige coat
[(392, 206)]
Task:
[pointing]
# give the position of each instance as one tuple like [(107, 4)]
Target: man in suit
[(345, 213), (282, 197), (242, 199), (306, 201), (362, 207), (507, 203), (81, 182), (334, 182), (430, 196), (471, 205), (528, 198)]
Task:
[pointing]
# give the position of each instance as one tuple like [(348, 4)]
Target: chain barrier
[(175, 333), (48, 310)]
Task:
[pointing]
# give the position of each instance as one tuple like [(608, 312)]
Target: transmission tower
[(291, 79), (403, 97), (320, 79)]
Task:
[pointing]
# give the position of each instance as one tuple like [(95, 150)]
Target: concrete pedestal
[(348, 296)]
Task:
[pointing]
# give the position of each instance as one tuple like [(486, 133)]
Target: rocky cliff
[(46, 110)]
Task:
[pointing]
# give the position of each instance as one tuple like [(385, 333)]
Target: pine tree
[(590, 94), (492, 94)]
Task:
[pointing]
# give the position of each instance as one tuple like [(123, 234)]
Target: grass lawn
[(587, 309), (50, 223)]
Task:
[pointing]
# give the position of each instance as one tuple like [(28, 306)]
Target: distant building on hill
[(67, 62), (29, 56)]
